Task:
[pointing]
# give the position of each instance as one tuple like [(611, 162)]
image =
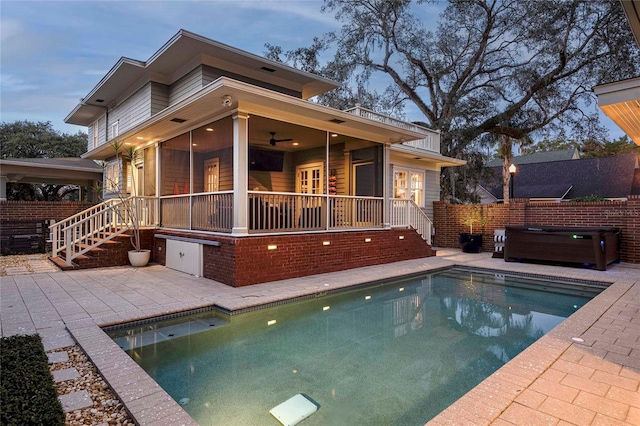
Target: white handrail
[(405, 212), (92, 227)]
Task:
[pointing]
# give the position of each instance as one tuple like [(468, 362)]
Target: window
[(114, 129), (95, 134), (409, 184), (112, 176)]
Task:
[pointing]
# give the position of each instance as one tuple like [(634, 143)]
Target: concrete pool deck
[(592, 379)]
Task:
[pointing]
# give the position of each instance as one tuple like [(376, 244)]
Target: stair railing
[(92, 227), (407, 213)]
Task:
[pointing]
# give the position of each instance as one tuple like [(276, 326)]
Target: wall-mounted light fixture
[(272, 247), (326, 243), (367, 240)]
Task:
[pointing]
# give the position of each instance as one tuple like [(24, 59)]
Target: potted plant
[(128, 211), (470, 242)]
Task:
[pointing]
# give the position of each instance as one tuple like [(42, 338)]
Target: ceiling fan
[(273, 139)]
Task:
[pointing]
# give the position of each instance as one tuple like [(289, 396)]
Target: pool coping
[(149, 404)]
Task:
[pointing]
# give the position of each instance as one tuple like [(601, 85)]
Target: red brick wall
[(245, 261), (40, 210), (625, 215)]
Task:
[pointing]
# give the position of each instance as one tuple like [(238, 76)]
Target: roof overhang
[(181, 54), (435, 158), (620, 101), (16, 170), (206, 105)]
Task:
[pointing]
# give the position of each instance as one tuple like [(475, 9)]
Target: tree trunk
[(506, 160)]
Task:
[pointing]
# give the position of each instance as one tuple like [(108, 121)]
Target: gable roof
[(606, 177), (183, 52), (539, 157)]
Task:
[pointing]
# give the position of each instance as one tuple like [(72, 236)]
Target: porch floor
[(555, 381)]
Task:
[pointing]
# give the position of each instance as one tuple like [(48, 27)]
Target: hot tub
[(597, 246)]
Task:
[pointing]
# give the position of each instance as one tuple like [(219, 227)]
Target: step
[(62, 264)]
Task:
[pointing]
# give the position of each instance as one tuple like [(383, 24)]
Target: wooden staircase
[(97, 237)]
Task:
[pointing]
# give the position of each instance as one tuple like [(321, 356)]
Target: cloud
[(12, 83)]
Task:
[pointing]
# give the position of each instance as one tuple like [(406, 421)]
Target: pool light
[(271, 322), (401, 289), (367, 297), (326, 308)]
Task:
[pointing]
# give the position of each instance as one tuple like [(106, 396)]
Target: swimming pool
[(397, 353)]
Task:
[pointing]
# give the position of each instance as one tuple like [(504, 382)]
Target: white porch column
[(386, 181), (3, 188), (240, 172)]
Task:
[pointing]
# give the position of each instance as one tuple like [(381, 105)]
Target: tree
[(589, 147), (27, 139), (491, 67)]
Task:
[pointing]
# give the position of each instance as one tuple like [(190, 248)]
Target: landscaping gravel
[(106, 409)]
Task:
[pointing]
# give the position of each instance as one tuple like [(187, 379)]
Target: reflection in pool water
[(397, 353)]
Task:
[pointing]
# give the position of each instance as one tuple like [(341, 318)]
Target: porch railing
[(407, 213), (90, 228), (430, 142)]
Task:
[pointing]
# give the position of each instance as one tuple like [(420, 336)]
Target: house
[(539, 157), (240, 178), (615, 178), (620, 100)]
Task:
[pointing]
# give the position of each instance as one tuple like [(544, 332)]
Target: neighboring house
[(620, 101), (539, 157), (229, 146), (60, 171), (615, 178), (488, 188)]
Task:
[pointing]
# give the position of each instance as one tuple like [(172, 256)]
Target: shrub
[(588, 199), (27, 391)]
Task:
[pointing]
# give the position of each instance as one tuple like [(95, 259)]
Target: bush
[(588, 199), (27, 391)]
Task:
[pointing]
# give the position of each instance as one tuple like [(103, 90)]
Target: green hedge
[(27, 392)]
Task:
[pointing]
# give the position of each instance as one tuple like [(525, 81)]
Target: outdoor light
[(401, 237), (367, 240), (271, 322), (326, 243), (326, 308), (272, 247), (512, 172)]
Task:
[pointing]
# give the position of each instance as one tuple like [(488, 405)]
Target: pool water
[(389, 354)]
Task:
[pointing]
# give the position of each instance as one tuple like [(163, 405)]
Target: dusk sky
[(54, 52)]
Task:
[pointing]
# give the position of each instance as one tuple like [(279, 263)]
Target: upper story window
[(409, 183), (95, 134), (115, 129), (112, 176)]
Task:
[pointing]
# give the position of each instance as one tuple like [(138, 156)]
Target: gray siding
[(102, 130), (431, 190), (186, 85), (210, 74), (159, 97), (132, 111)]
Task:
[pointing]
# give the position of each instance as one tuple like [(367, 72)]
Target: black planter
[(470, 243)]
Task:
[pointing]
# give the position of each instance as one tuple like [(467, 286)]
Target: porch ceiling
[(620, 101), (206, 106)]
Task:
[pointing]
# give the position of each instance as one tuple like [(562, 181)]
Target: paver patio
[(585, 371)]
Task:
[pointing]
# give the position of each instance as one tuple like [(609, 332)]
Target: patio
[(557, 380)]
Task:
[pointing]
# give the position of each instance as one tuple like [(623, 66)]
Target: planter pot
[(139, 258), (470, 243)]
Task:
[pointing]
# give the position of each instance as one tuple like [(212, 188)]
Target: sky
[(52, 53)]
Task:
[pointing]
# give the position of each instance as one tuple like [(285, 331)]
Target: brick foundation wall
[(14, 215), (623, 214), (245, 261)]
